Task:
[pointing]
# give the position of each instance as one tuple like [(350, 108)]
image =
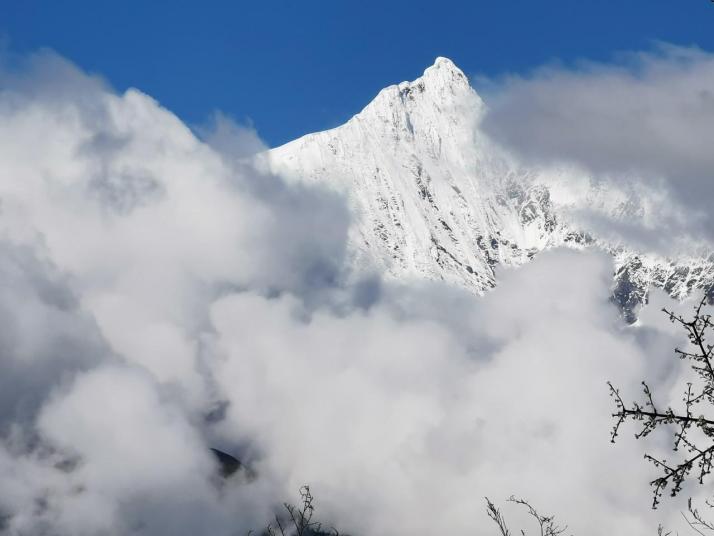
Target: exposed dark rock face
[(228, 464)]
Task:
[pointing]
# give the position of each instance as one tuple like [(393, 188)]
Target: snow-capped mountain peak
[(442, 83), (422, 182), (435, 199)]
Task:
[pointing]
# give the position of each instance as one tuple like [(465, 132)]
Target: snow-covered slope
[(435, 199)]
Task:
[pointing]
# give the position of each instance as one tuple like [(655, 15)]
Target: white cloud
[(148, 279), (642, 123), (401, 427), (232, 140)]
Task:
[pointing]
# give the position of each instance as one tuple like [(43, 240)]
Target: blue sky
[(293, 67)]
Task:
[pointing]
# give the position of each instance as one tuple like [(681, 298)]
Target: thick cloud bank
[(644, 121), (158, 298)]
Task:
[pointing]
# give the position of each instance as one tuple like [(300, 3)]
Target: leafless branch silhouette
[(693, 430)]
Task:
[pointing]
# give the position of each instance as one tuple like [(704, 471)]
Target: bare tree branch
[(546, 524), (698, 448)]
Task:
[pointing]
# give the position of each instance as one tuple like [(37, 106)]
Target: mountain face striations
[(434, 198)]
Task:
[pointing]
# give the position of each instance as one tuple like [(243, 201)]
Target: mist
[(160, 297)]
